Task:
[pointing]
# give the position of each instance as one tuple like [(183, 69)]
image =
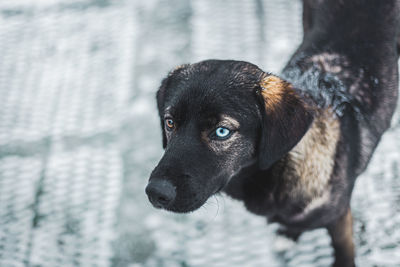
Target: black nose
[(160, 192)]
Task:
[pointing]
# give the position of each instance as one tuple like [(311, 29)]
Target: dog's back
[(348, 60), (347, 63)]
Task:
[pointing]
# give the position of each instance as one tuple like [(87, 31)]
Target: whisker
[(216, 199)]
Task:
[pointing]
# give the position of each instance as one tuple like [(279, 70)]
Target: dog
[(289, 146)]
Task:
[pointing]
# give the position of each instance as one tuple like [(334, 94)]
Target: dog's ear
[(285, 119), (161, 98)]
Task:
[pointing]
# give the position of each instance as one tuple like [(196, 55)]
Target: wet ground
[(79, 136)]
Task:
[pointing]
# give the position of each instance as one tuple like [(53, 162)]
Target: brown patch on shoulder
[(330, 62), (310, 163), (273, 91)]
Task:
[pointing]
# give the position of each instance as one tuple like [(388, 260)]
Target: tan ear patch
[(273, 90)]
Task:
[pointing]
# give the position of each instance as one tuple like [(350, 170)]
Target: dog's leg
[(289, 233), (341, 232), (398, 45)]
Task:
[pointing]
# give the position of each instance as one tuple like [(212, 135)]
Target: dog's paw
[(282, 244), (293, 235), (285, 239)]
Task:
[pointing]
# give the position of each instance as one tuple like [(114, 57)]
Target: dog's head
[(216, 117)]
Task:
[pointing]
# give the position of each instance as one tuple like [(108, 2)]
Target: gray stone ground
[(79, 136)]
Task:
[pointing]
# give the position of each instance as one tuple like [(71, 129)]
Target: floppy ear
[(161, 98), (285, 119)]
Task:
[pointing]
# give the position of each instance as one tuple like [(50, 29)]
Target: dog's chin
[(184, 208)]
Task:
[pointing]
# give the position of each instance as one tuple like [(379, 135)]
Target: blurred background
[(79, 136)]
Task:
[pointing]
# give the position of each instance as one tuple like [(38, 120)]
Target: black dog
[(290, 148)]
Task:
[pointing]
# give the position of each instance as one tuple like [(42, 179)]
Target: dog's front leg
[(341, 232)]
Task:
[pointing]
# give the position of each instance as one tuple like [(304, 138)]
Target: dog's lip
[(219, 189), (194, 206), (155, 205)]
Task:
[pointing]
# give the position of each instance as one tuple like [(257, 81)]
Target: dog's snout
[(161, 193)]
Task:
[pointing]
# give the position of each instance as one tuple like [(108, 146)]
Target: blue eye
[(222, 133)]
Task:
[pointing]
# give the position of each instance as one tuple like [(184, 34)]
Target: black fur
[(347, 62)]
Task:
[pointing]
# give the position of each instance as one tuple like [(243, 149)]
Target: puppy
[(289, 146)]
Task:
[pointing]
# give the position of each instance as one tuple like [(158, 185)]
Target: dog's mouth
[(181, 208), (219, 189), (186, 197), (186, 209), (183, 204)]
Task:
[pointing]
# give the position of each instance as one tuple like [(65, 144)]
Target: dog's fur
[(299, 140)]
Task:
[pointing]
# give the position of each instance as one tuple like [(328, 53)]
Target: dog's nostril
[(162, 199), (160, 192)]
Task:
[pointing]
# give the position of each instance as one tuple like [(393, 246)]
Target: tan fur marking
[(329, 62), (230, 122), (273, 89), (180, 67), (177, 68), (311, 161), (218, 146)]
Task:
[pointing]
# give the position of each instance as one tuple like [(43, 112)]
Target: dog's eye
[(222, 133), (170, 124)]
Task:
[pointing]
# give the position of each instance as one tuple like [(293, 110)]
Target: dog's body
[(290, 150)]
